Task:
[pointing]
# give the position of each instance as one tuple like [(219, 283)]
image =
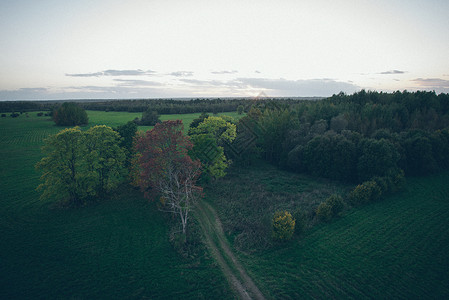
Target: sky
[(111, 49)]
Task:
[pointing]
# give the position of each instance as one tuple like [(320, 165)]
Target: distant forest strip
[(162, 106)]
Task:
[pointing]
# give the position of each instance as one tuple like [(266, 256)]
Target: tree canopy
[(210, 136), (81, 164), (166, 171), (70, 114)]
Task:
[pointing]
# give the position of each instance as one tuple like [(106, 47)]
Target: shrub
[(324, 211), (40, 114), (365, 192), (331, 207), (3, 115), (283, 225)]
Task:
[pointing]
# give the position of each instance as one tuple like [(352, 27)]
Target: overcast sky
[(52, 49)]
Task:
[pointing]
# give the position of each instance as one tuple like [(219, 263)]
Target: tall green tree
[(128, 133), (209, 138), (105, 159), (78, 165), (64, 167)]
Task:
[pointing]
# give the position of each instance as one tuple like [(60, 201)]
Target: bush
[(40, 114), (330, 208), (3, 115), (324, 212), (365, 192), (283, 225)]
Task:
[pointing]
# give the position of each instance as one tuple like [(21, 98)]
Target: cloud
[(306, 88), (182, 73), (224, 72), (275, 87), (137, 72), (97, 74), (437, 84), (391, 72), (197, 82), (132, 82), (191, 87), (38, 93)]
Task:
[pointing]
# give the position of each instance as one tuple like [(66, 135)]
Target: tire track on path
[(216, 241)]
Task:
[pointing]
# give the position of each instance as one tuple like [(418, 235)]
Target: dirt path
[(220, 250)]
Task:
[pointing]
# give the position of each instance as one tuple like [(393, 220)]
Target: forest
[(355, 137)]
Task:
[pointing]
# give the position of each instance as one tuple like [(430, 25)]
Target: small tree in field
[(165, 169), (149, 118), (283, 225)]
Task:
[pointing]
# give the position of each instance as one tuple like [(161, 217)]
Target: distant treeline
[(162, 106), (354, 137)]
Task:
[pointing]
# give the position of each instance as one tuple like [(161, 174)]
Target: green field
[(116, 249), (115, 119), (119, 248), (394, 249)]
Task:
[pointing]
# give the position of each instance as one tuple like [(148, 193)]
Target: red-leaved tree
[(166, 171)]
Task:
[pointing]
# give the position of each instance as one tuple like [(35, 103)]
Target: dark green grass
[(247, 198), (396, 248), (113, 249)]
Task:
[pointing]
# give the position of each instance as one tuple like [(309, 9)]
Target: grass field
[(115, 249), (394, 249), (115, 119)]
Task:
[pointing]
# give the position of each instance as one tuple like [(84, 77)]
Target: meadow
[(114, 249), (119, 248), (396, 248)]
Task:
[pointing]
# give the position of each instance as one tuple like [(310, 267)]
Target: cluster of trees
[(149, 118), (367, 138), (354, 137), (70, 114), (23, 106), (81, 165), (166, 164)]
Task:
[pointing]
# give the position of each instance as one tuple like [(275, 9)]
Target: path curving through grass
[(216, 241)]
